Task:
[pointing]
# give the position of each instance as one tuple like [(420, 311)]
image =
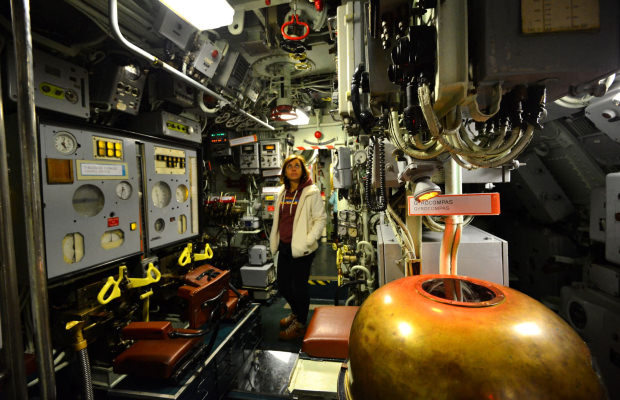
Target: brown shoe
[(287, 321), (294, 331)]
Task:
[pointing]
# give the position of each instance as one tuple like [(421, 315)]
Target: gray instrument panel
[(90, 192), (172, 208)]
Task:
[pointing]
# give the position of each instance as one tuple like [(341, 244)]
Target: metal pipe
[(9, 296), (31, 190), (113, 9), (454, 223)]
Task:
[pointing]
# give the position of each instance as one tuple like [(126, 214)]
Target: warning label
[(456, 204)]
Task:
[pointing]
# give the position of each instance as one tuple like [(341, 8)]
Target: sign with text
[(456, 204)]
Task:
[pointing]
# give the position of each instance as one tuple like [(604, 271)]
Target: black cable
[(380, 204)]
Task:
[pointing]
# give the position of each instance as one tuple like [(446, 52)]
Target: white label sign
[(456, 204), (92, 169)]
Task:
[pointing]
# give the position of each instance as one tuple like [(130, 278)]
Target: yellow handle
[(152, 275), (339, 258), (208, 254), (114, 284), (186, 256), (334, 246)]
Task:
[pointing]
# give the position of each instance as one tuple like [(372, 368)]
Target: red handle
[(318, 4), (295, 20)]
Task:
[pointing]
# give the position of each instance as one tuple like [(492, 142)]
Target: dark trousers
[(293, 274)]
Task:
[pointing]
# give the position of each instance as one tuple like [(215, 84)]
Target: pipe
[(113, 9), (31, 190), (87, 380), (9, 296)]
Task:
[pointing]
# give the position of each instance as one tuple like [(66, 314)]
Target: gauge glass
[(161, 194), (159, 225), (88, 200), (342, 230), (182, 226), (73, 248), (112, 239), (65, 143), (352, 232), (132, 72), (352, 216), (182, 193), (359, 157), (124, 190)]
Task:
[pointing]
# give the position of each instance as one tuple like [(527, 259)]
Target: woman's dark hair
[(304, 170)]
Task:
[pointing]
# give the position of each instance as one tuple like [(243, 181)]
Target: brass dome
[(410, 340)]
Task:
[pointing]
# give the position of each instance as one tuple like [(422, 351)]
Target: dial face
[(342, 230), (112, 239), (65, 143), (159, 225), (73, 248), (182, 193), (161, 194), (352, 216), (359, 157), (132, 72), (124, 190), (88, 200), (352, 232)]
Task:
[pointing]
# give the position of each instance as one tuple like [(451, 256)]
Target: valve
[(295, 20), (152, 275)]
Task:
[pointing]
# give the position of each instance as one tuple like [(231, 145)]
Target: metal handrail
[(113, 9)]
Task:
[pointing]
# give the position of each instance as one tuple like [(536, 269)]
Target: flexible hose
[(380, 204), (87, 381)]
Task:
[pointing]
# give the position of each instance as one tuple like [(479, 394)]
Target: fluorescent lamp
[(302, 118), (203, 14)]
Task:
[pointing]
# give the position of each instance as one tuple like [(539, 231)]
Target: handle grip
[(295, 20), (152, 275), (207, 255), (186, 256)]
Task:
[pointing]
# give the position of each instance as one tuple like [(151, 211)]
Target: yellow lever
[(186, 255), (114, 284), (152, 275), (208, 254)]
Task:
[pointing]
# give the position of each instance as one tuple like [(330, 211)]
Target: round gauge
[(352, 232), (182, 193), (73, 248), (132, 72), (65, 143), (112, 239), (359, 157), (342, 230), (352, 216), (123, 190), (161, 194), (88, 200), (159, 224)]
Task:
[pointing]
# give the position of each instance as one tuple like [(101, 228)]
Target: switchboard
[(172, 193), (163, 123), (90, 194)]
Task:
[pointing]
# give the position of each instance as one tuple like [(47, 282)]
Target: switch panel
[(270, 154)]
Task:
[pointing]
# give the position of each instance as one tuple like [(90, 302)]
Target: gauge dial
[(352, 232), (65, 143), (159, 224), (73, 248), (132, 72), (112, 239), (359, 157), (182, 193), (124, 190), (342, 230), (88, 200), (352, 216), (161, 194)]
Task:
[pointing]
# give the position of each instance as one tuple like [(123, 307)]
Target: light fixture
[(202, 14), (301, 119), (425, 189), (283, 112)]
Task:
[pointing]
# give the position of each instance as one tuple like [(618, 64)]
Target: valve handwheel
[(295, 20)]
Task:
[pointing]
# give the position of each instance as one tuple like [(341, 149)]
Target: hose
[(87, 381), (347, 284), (380, 204)]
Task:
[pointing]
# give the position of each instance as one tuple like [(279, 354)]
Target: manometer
[(161, 194), (124, 190), (182, 193), (65, 143)]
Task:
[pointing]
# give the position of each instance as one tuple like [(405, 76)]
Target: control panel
[(220, 147), (249, 159), (171, 175), (270, 154), (120, 87), (208, 59), (163, 123), (58, 85), (90, 191), (269, 196)]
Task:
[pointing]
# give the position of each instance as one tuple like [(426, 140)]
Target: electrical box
[(58, 85), (121, 87), (174, 28), (171, 175), (270, 154), (258, 276), (163, 86), (481, 255), (249, 158), (269, 196), (219, 145), (232, 71), (258, 255), (163, 123), (90, 189), (389, 253), (208, 59), (341, 163)]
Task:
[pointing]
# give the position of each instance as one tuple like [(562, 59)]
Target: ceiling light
[(202, 14), (301, 119), (425, 189), (283, 113)]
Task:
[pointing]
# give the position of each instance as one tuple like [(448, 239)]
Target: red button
[(215, 53), (271, 208), (112, 222), (318, 134)]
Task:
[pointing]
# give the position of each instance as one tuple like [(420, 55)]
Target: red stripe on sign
[(301, 148), (329, 146), (315, 147)]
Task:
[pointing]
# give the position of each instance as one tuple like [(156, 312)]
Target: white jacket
[(308, 223)]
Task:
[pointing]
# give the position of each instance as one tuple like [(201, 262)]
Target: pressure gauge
[(65, 143), (161, 194), (112, 239), (342, 230), (132, 72), (359, 157), (352, 216), (182, 193), (88, 200), (123, 190), (352, 231), (159, 224), (73, 248)]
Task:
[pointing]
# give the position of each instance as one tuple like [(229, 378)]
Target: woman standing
[(298, 223)]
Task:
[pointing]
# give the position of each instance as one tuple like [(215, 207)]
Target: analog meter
[(123, 190), (112, 239), (88, 200), (161, 194), (359, 157), (182, 193), (73, 248), (65, 143), (159, 224)]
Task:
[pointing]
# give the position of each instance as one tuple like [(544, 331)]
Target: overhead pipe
[(31, 191), (9, 297), (113, 10)]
